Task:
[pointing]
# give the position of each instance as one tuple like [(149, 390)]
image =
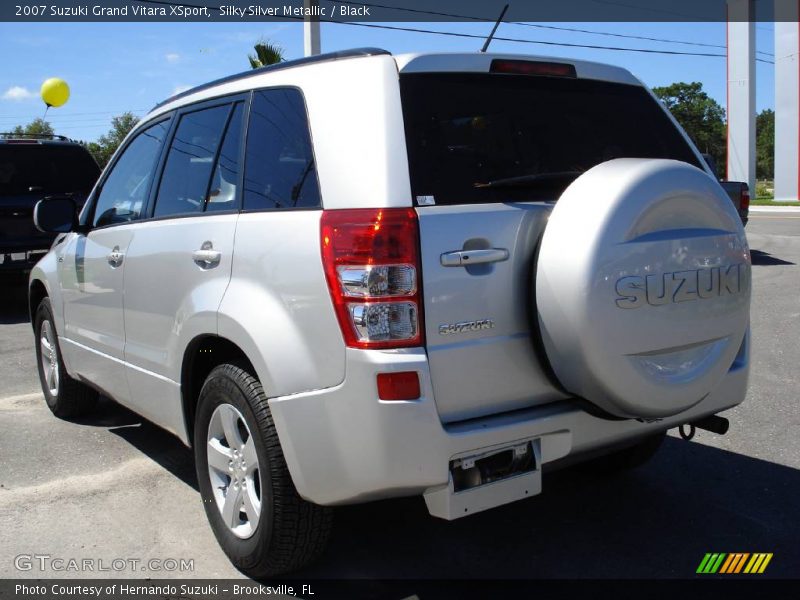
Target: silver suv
[(365, 276)]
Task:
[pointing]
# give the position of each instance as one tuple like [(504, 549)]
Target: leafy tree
[(765, 144), (37, 127), (103, 149), (266, 54), (700, 115)]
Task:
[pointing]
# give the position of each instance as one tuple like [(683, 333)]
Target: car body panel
[(92, 292), (343, 445), (482, 370), (277, 308), (159, 326)]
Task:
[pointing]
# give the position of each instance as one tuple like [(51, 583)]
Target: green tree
[(700, 115), (35, 127), (266, 54), (765, 144), (103, 149)]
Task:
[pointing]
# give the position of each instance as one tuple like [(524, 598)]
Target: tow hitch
[(713, 423)]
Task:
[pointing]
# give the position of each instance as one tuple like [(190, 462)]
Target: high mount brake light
[(372, 266), (529, 67)]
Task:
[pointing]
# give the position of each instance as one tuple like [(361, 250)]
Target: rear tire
[(631, 457), (271, 530), (66, 397)]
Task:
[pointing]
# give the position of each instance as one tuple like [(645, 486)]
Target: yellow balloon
[(55, 92)]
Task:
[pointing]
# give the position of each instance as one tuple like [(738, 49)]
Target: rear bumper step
[(493, 483), (343, 445)]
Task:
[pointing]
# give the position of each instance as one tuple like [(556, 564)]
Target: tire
[(286, 532), (631, 457), (66, 397)]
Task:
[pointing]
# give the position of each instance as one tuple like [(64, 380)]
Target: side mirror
[(57, 214)]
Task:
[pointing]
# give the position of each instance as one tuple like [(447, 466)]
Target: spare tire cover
[(643, 286)]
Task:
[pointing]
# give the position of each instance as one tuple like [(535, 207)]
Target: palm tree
[(266, 54)]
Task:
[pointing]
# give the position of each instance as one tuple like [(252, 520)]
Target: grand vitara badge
[(465, 326), (635, 291)]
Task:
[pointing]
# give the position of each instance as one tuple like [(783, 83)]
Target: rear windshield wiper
[(527, 180)]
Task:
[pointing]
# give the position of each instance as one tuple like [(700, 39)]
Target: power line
[(632, 37), (70, 115), (539, 26), (468, 35), (60, 121), (541, 42)]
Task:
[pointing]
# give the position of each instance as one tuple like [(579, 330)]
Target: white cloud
[(172, 57), (181, 88), (18, 93)]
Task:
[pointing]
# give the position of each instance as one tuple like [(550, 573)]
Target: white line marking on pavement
[(21, 397), (85, 484), (766, 217), (786, 209)]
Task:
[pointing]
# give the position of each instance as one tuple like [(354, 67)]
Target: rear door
[(489, 154), (179, 262)]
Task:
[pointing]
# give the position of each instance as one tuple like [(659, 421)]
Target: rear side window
[(225, 180), (279, 167), (125, 189), (46, 169), (190, 162), (476, 138)]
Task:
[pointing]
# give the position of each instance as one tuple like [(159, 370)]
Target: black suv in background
[(32, 167)]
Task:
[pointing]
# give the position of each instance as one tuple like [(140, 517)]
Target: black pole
[(494, 29)]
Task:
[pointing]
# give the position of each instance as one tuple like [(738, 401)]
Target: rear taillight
[(744, 200), (371, 259)]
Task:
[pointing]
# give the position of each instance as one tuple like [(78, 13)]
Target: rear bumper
[(20, 260), (343, 445)]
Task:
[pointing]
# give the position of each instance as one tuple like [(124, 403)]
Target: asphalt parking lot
[(112, 486)]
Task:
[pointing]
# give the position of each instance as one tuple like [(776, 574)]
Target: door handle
[(207, 257), (465, 258), (116, 257)]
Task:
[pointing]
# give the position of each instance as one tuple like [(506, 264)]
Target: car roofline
[(289, 64), (9, 136)]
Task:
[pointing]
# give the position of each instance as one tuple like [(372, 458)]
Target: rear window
[(476, 138), (45, 169)]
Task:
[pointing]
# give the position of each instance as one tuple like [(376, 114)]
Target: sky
[(116, 67)]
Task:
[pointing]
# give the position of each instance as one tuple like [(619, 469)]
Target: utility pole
[(311, 41), (741, 79), (787, 102)]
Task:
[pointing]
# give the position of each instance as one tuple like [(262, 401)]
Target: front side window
[(125, 189), (190, 162), (279, 167)]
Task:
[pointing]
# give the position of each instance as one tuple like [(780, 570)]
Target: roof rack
[(289, 64), (10, 135)]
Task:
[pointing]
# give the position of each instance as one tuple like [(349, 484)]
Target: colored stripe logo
[(734, 563)]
